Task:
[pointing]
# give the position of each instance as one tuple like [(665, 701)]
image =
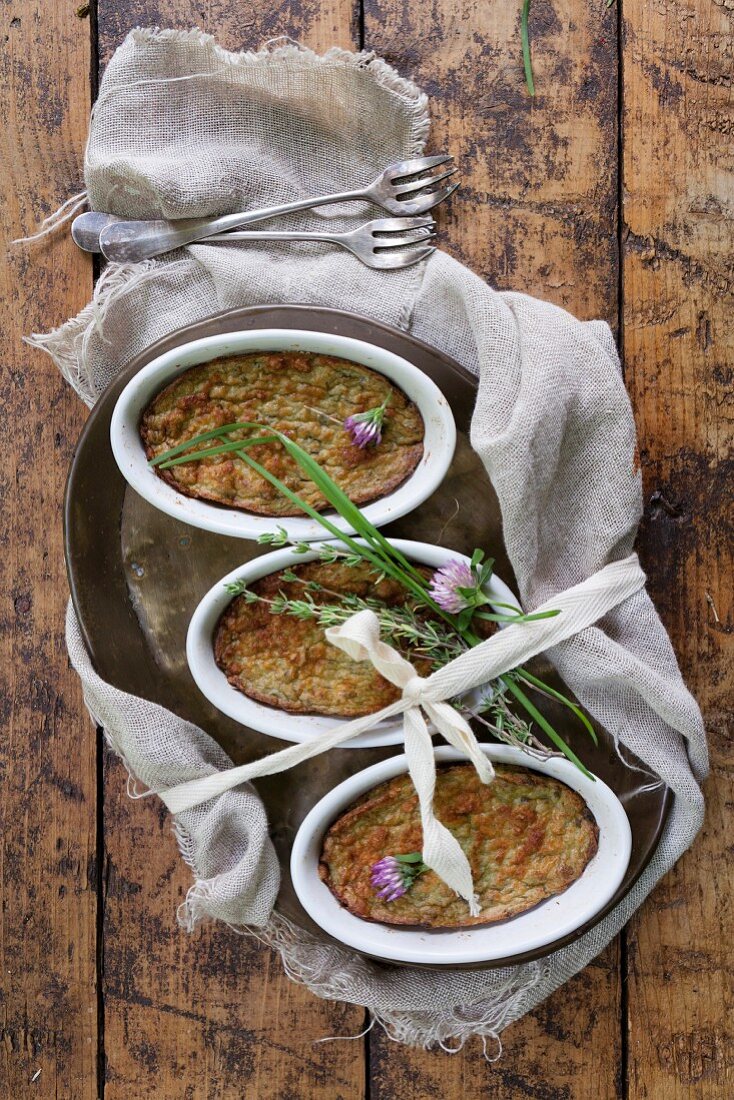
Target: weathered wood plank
[(537, 207), (536, 212), (205, 1015), (208, 1015), (235, 26), (47, 796), (679, 349)]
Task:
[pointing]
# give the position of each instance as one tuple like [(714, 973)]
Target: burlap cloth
[(182, 128)]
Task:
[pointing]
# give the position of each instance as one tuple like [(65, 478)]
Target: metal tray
[(136, 576)]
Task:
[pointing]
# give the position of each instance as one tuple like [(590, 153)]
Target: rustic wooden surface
[(611, 194), (48, 784), (678, 340)]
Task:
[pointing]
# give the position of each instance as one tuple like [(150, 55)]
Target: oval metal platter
[(137, 575)]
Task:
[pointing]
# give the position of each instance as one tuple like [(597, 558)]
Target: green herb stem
[(544, 724), (389, 559), (529, 678), (233, 447), (216, 433), (525, 36), (375, 548)]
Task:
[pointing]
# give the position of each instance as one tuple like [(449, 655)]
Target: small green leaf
[(466, 593), (465, 618), (486, 571)]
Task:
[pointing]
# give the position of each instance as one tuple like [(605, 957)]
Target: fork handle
[(283, 235), (132, 241)]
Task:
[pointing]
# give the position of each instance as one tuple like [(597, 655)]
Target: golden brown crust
[(287, 663), (527, 838), (302, 394)]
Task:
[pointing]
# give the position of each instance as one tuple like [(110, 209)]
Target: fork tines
[(399, 242), (413, 189)]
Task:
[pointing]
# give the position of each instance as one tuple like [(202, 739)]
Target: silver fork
[(385, 243), (401, 189)]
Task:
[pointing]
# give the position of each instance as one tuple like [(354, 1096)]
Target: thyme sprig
[(424, 637), (374, 548)]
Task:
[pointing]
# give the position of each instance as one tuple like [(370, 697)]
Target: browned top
[(307, 397), (287, 662), (527, 837)]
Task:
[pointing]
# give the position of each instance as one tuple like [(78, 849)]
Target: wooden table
[(610, 194)]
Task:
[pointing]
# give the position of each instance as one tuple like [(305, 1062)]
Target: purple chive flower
[(393, 876), (446, 582), (366, 428)]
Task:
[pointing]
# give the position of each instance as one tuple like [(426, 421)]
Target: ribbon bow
[(579, 607), (359, 637)]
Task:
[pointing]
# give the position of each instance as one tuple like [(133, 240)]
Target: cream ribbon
[(579, 607)]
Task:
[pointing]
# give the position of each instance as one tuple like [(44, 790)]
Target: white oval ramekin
[(212, 682), (552, 920), (438, 443)]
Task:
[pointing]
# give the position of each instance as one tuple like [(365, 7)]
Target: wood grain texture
[(536, 213), (539, 177), (48, 1003), (210, 1015), (679, 350), (207, 1015), (235, 26)]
